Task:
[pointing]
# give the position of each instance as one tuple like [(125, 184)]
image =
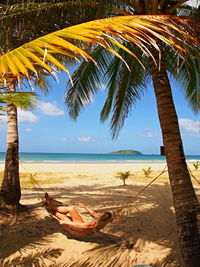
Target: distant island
[(127, 152)]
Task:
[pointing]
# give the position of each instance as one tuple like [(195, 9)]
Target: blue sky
[(49, 129)]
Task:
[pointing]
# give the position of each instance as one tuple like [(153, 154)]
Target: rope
[(35, 184), (192, 174), (118, 212)]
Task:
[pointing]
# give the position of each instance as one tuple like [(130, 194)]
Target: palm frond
[(125, 97), (34, 7), (23, 100), (42, 80), (124, 89), (189, 78), (20, 61), (187, 74), (112, 76), (87, 80)]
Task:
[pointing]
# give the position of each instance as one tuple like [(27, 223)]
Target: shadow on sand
[(131, 239)]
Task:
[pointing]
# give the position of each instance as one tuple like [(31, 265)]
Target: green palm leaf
[(124, 88), (23, 100), (112, 76), (87, 79), (130, 85), (189, 80), (186, 74)]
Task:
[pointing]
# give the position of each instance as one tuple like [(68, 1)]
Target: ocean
[(90, 158)]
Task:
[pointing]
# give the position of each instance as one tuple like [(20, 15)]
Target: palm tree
[(10, 189), (141, 30), (124, 88)]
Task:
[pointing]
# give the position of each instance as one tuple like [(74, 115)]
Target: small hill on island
[(126, 152)]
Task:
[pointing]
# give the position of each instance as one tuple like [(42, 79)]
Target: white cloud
[(27, 116), (84, 138), (28, 130), (50, 109), (190, 125), (149, 134), (23, 116), (79, 139)]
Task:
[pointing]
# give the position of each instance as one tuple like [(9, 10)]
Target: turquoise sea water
[(90, 158)]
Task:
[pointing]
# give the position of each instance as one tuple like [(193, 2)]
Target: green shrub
[(196, 165), (147, 172), (123, 176)]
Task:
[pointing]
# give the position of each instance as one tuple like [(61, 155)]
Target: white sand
[(145, 234)]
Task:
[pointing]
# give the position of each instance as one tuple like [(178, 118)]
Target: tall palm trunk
[(10, 189), (187, 208)]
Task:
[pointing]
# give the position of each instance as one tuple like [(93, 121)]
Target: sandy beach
[(95, 168), (144, 233)]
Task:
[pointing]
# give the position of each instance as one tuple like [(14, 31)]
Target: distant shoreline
[(89, 158)]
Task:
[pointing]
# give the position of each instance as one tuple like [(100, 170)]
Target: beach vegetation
[(147, 171), (123, 176), (196, 165), (41, 179)]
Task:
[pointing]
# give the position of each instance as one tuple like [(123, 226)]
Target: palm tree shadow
[(26, 230), (100, 238), (34, 258)]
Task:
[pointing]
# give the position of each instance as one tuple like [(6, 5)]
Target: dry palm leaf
[(141, 30)]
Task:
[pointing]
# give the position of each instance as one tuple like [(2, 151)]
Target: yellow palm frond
[(140, 30)]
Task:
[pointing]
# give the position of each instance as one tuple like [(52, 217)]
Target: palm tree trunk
[(10, 189), (187, 208)]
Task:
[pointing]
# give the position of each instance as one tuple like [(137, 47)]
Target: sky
[(48, 127)]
